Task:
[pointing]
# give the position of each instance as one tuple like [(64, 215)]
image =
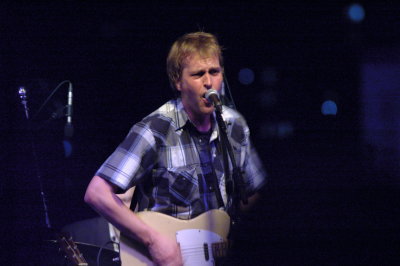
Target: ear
[(178, 86)]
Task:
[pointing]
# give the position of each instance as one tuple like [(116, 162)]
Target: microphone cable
[(50, 96), (227, 99)]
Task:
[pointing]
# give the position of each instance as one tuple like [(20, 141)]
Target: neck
[(202, 123)]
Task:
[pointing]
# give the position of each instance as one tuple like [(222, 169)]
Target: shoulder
[(162, 119), (232, 116), (236, 124)]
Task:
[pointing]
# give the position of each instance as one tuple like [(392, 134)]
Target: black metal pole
[(24, 100)]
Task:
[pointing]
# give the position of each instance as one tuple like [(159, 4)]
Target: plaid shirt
[(160, 158)]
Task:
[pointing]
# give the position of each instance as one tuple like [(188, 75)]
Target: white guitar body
[(201, 239)]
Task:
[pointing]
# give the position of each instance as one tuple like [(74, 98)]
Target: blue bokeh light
[(246, 76), (67, 148), (356, 13), (281, 130), (329, 108)]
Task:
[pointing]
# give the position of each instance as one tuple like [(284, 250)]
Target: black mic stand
[(24, 101), (234, 183)]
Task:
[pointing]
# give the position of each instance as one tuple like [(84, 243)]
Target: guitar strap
[(134, 200)]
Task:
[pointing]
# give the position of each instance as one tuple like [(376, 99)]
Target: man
[(173, 156)]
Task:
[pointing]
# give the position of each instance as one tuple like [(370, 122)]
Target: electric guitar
[(202, 240)]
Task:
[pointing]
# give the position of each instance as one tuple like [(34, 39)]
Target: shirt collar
[(183, 118)]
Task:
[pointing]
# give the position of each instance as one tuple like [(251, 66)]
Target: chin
[(208, 111)]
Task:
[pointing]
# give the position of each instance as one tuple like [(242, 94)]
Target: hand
[(165, 251)]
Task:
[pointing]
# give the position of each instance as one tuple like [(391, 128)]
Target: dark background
[(332, 196)]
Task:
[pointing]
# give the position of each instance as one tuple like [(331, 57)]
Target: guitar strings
[(189, 247), (192, 250), (197, 250)]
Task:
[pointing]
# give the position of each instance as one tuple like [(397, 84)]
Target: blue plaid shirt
[(159, 156)]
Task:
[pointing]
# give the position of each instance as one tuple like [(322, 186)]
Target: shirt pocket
[(183, 185)]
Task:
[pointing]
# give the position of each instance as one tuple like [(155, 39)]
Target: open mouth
[(206, 101)]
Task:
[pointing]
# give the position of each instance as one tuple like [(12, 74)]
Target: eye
[(215, 71), (198, 74)]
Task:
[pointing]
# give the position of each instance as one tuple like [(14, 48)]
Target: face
[(199, 75)]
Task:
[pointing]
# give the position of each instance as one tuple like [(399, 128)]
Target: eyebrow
[(204, 70)]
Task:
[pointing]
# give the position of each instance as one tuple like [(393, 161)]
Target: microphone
[(212, 96), (69, 129), (24, 100)]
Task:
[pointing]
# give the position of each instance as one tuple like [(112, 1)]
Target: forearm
[(100, 195)]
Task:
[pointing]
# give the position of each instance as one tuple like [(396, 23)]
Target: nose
[(207, 81)]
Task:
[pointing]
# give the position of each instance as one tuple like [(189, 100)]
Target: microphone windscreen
[(209, 93)]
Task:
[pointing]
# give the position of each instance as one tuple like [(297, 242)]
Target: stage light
[(356, 13), (281, 130), (267, 98), (246, 76), (285, 129), (269, 76), (329, 108)]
